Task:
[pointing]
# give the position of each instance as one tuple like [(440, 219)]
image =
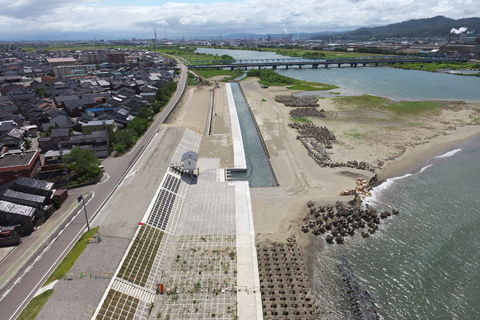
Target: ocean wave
[(375, 192), (449, 153)]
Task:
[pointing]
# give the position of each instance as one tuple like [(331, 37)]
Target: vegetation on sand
[(399, 108), (438, 66), (192, 80), (271, 78), (300, 120), (231, 74)]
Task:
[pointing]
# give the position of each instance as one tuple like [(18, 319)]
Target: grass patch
[(231, 74), (303, 53), (414, 107), (363, 101), (192, 80), (36, 304), (189, 54), (416, 124), (71, 257), (401, 108), (334, 92), (353, 134), (437, 66), (300, 120), (141, 256), (271, 78), (312, 86)]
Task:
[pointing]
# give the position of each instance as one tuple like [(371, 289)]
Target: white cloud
[(260, 16)]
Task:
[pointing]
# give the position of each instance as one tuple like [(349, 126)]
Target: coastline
[(279, 212), (414, 159)]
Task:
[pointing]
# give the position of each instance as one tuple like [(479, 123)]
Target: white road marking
[(106, 179), (41, 255)]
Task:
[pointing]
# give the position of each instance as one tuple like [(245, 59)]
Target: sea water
[(425, 263)]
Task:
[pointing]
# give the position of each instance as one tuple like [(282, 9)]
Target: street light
[(82, 199)]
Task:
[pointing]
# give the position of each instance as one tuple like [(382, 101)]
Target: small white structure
[(189, 162)]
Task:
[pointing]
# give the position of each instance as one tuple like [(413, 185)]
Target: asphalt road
[(17, 294)]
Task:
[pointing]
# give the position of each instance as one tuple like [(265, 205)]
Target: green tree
[(124, 139), (139, 125), (41, 92), (84, 165), (145, 113)]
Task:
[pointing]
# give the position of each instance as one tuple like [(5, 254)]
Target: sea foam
[(375, 192), (449, 153)]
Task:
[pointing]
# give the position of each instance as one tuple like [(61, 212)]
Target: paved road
[(16, 295)]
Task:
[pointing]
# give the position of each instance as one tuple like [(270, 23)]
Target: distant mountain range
[(438, 26)]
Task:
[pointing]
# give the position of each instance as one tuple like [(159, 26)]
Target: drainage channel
[(259, 172)]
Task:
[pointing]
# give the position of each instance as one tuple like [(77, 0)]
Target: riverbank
[(443, 67)]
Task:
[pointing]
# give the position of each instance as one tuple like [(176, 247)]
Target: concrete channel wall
[(239, 160)]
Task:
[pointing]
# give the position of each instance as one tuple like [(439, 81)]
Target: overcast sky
[(117, 19)]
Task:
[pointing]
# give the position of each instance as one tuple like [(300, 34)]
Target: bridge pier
[(316, 63)]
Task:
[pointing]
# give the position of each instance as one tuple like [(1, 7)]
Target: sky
[(122, 19)]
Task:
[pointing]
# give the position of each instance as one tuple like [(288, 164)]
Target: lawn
[(400, 108), (71, 257), (35, 306), (271, 78)]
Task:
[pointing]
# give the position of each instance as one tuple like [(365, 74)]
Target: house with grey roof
[(12, 214)]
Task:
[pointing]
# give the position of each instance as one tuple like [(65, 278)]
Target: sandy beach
[(390, 143)]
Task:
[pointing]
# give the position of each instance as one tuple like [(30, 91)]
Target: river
[(395, 83), (424, 263)]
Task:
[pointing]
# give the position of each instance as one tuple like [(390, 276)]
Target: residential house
[(16, 164)]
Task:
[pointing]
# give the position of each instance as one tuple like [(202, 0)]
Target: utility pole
[(108, 134), (82, 199), (64, 166)]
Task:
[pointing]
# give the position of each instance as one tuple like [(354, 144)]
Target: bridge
[(326, 62)]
